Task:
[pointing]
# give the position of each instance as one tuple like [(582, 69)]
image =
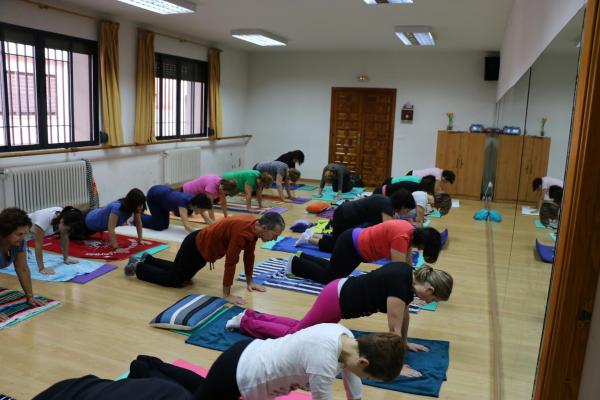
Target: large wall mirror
[(537, 113)]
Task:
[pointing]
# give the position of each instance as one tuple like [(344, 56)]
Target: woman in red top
[(392, 239)]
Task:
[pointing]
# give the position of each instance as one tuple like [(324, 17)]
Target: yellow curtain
[(144, 94), (109, 82), (214, 92)]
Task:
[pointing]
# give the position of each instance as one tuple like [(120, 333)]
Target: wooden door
[(448, 155), (534, 164), (471, 159), (362, 131), (508, 167), (378, 132)]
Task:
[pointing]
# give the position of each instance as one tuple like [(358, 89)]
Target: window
[(48, 90), (180, 97)]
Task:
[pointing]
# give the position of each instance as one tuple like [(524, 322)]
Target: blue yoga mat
[(546, 252), (62, 272), (287, 245), (433, 364)]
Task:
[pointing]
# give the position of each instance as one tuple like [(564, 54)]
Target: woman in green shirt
[(249, 181)]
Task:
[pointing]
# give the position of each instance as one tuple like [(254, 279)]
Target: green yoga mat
[(153, 250), (269, 245), (539, 225), (434, 214), (308, 188)]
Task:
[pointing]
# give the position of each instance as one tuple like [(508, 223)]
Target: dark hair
[(265, 180), (73, 218), (536, 184), (443, 202), (431, 241), (298, 155), (402, 198), (229, 185), (134, 199), (549, 213), (271, 220), (448, 175), (555, 192), (385, 353), (201, 201), (12, 218), (427, 184)]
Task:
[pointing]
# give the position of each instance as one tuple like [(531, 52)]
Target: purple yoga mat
[(301, 200), (106, 268), (327, 213), (279, 210)]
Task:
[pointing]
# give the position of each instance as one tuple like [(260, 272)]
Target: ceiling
[(326, 25)]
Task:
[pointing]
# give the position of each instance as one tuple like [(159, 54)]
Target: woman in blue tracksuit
[(162, 200)]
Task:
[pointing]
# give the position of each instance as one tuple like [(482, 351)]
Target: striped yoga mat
[(14, 307), (271, 273)]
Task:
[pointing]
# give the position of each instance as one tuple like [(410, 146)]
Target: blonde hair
[(266, 180), (441, 281), (293, 174)]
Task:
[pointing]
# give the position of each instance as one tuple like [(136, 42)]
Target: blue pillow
[(301, 225), (188, 312), (481, 215), (495, 216)]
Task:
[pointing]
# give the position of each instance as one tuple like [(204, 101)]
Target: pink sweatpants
[(266, 326)]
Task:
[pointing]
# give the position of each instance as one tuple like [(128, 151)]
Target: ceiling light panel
[(415, 35), (163, 6), (374, 2), (259, 37)]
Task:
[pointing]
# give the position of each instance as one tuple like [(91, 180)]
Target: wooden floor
[(101, 326)]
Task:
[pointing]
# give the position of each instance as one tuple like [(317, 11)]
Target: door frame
[(390, 153), (577, 262)]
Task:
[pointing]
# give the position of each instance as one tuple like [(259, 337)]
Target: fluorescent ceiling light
[(164, 6), (259, 37), (415, 35), (372, 2)]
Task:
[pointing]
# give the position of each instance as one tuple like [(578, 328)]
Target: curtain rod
[(44, 6)]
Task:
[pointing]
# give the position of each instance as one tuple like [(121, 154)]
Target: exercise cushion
[(188, 312), (317, 206), (546, 252), (481, 215), (301, 225), (495, 216)]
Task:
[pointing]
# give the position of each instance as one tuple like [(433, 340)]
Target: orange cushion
[(317, 206)]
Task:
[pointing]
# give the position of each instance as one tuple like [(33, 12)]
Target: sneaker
[(288, 266), (234, 323), (304, 237), (131, 267)]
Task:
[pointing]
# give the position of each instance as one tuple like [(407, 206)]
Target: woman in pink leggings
[(389, 289)]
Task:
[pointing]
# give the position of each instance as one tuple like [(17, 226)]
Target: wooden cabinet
[(520, 160), (463, 153)]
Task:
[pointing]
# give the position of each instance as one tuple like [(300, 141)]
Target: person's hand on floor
[(237, 300), (256, 287), (46, 271), (417, 347), (145, 242), (121, 250), (32, 301), (408, 372), (3, 317), (71, 261)]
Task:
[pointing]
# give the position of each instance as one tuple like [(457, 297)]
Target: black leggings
[(339, 225), (220, 382), (188, 262), (344, 260)]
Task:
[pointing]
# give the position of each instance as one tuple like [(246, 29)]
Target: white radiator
[(48, 185), (181, 165)]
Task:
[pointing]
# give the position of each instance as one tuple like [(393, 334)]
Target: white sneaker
[(304, 237), (234, 323), (288, 266)]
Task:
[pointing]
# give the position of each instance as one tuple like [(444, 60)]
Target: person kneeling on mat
[(255, 369), (226, 238)]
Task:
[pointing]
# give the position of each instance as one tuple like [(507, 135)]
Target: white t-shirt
[(548, 181), (437, 172), (307, 360), (421, 199), (43, 218)]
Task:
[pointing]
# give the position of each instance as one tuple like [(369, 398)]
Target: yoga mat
[(13, 305), (308, 188), (174, 233), (546, 252), (153, 250), (62, 272), (444, 237), (435, 214), (97, 246), (527, 210), (433, 364), (287, 245), (293, 186), (553, 236), (539, 225), (198, 218), (105, 269), (279, 210), (270, 273), (295, 200), (202, 372), (328, 213)]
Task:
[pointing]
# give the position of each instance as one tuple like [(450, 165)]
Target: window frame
[(203, 67), (39, 45)]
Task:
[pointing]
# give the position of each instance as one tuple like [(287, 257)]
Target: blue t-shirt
[(12, 254), (97, 220), (167, 199)]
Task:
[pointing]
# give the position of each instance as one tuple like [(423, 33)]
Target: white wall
[(532, 25), (551, 95), (290, 99), (118, 170)]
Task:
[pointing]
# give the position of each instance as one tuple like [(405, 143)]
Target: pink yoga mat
[(202, 372)]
